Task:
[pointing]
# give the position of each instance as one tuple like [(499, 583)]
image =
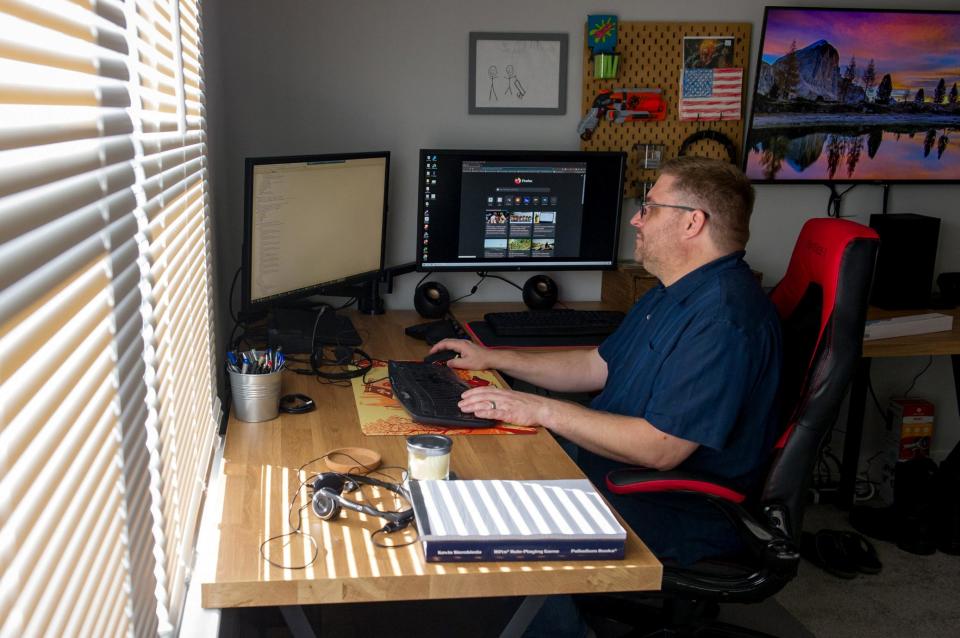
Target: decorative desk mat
[(381, 414)]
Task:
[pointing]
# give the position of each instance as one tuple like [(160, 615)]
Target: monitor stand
[(293, 329)]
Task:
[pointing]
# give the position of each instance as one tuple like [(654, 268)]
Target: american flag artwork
[(711, 94)]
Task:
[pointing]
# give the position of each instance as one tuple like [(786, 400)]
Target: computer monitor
[(313, 225), (519, 210)]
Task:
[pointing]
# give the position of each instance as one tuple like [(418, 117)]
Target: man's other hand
[(518, 408)]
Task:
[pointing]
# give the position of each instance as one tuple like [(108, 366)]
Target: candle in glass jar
[(428, 457)]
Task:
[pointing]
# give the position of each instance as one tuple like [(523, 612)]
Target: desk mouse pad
[(380, 413)]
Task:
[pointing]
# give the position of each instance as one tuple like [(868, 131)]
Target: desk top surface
[(259, 481)]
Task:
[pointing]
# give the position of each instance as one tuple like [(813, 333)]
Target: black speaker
[(431, 299), (540, 292), (905, 261)]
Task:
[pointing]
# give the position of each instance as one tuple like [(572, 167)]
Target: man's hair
[(719, 188)]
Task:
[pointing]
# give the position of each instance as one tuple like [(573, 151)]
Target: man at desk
[(688, 381)]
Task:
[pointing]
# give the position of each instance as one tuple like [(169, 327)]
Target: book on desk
[(515, 520), (907, 325)]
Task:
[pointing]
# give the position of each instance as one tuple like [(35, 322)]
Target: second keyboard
[(553, 323)]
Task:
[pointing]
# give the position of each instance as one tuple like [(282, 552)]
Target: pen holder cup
[(256, 397)]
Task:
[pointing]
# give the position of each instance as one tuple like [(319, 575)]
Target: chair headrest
[(816, 259)]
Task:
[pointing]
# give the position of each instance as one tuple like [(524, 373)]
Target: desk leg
[(854, 435), (955, 358), (522, 617), (297, 621)]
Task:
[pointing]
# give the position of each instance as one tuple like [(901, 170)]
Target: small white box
[(907, 325)]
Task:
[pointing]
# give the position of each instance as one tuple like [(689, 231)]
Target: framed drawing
[(518, 73)]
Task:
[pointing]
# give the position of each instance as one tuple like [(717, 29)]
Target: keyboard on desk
[(430, 393), (553, 323)]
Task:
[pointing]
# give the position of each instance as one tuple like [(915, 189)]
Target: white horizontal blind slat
[(103, 238), (37, 124)]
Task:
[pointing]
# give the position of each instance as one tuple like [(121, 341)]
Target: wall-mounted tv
[(852, 95)]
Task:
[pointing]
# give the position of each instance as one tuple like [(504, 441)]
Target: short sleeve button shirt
[(700, 360)]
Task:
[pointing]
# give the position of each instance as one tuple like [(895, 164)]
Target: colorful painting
[(601, 33), (845, 95), (381, 414), (711, 94)]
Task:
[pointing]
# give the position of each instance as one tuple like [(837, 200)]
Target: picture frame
[(518, 73)]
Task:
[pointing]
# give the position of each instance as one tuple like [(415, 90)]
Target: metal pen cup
[(256, 397)]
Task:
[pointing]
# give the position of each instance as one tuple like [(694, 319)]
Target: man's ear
[(694, 224)]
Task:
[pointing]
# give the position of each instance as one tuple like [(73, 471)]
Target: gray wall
[(316, 76)]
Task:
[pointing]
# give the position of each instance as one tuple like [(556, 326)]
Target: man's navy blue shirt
[(700, 360)]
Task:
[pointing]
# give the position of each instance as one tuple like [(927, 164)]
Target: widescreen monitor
[(312, 223), (854, 95), (519, 210)]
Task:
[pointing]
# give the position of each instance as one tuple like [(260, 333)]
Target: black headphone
[(328, 499), (713, 136), (343, 355)]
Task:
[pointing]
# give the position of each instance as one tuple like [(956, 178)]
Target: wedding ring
[(493, 404)]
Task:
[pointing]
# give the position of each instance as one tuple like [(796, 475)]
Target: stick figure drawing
[(492, 72), (512, 82)]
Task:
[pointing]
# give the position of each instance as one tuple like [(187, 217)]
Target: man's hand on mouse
[(472, 356)]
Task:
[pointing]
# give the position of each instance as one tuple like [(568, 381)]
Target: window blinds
[(107, 422)]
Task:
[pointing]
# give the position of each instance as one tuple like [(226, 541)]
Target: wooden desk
[(934, 343), (259, 473)]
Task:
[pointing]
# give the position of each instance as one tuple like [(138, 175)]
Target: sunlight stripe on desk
[(371, 551), (303, 519), (285, 510), (415, 559), (325, 548), (265, 491), (349, 552)]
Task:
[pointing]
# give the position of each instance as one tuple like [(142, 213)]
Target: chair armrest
[(640, 479), (763, 539)]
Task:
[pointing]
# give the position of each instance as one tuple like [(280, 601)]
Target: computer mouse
[(441, 355)]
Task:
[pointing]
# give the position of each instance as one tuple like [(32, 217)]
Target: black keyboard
[(553, 323), (430, 393)]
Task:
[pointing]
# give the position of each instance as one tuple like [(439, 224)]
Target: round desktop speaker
[(431, 299), (540, 292)]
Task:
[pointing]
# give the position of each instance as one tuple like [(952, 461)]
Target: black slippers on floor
[(841, 553)]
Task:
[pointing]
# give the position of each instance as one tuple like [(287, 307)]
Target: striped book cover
[(515, 520)]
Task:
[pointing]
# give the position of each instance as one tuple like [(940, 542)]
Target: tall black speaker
[(905, 261)]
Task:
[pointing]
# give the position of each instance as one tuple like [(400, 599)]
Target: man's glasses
[(645, 207)]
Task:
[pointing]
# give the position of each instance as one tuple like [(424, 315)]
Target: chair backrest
[(822, 302)]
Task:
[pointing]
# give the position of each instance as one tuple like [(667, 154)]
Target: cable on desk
[(298, 529)]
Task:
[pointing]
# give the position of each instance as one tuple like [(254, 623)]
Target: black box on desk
[(905, 261)]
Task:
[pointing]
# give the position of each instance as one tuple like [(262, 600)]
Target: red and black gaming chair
[(822, 303)]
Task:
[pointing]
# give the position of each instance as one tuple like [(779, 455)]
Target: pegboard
[(651, 56)]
